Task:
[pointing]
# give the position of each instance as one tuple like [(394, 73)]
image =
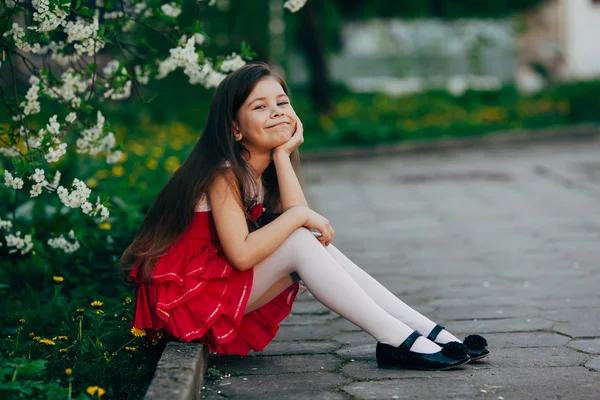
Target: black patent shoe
[(476, 344), (450, 356)]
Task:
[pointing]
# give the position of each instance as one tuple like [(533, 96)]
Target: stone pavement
[(504, 242)]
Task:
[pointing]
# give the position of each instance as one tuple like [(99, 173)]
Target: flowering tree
[(77, 56)]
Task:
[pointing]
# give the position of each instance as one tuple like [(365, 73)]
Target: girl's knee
[(300, 239)]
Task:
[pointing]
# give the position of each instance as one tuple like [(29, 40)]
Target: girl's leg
[(301, 252), (270, 294), (386, 300)]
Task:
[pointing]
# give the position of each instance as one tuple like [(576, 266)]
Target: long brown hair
[(173, 209)]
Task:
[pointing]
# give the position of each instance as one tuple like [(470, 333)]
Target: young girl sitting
[(221, 250)]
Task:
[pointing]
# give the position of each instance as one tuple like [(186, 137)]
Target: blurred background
[(365, 73)]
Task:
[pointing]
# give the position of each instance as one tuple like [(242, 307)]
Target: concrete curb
[(180, 372), (573, 132)]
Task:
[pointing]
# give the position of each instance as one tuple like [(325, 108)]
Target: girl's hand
[(295, 141), (315, 221)]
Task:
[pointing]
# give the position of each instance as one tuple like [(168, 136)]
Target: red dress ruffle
[(195, 293)]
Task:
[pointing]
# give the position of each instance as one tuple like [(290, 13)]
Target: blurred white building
[(563, 36)]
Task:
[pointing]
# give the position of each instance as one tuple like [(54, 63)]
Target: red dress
[(195, 293)]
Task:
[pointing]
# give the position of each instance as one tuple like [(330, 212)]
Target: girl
[(210, 266)]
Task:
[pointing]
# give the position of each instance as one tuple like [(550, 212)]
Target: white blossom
[(6, 225), (40, 178), (93, 140), (56, 180), (87, 207), (19, 243), (71, 117), (111, 67), (77, 197), (213, 79), (143, 76), (72, 83), (199, 38), (55, 153), (39, 175), (114, 157), (294, 5), (119, 93), (36, 189), (86, 34), (62, 243), (142, 8), (32, 105), (10, 181), (171, 10), (9, 152), (232, 63), (113, 15), (48, 20), (187, 58)]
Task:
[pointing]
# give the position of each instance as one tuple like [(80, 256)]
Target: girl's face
[(266, 119)]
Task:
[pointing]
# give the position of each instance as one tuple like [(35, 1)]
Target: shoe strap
[(407, 344), (435, 332)]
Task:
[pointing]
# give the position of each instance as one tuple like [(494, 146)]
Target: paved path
[(503, 242)]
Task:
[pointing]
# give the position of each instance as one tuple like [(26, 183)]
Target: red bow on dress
[(256, 211)]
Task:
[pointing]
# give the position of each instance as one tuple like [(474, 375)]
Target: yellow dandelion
[(32, 334), (21, 321), (58, 279), (80, 310), (102, 174), (158, 152), (91, 183), (47, 342), (138, 332), (106, 226), (95, 391), (172, 163), (131, 349), (127, 300), (123, 157), (123, 318), (68, 371), (118, 170), (63, 337), (96, 303), (63, 351), (151, 163), (36, 338)]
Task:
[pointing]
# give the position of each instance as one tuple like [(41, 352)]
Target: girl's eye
[(279, 104)]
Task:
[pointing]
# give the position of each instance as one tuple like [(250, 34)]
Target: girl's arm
[(243, 249), (289, 187)]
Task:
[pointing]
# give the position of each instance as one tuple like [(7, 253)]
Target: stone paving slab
[(275, 365), (277, 347), (311, 385), (513, 383), (591, 346), (500, 241)]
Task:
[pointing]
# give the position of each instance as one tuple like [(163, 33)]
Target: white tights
[(343, 287)]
